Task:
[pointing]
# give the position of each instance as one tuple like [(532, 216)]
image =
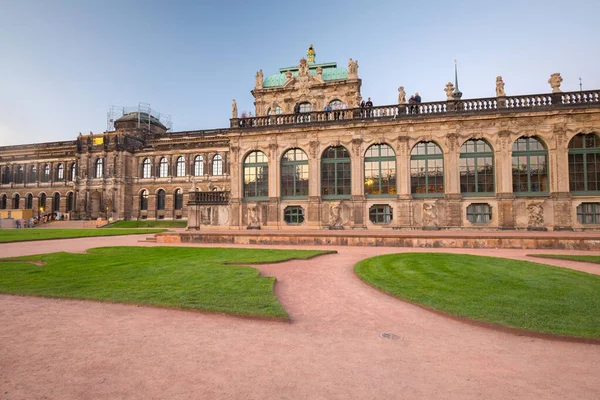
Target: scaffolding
[(144, 114)]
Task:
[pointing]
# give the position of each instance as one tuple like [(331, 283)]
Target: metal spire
[(580, 85), (457, 94)]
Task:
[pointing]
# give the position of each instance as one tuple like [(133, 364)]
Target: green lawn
[(149, 224), (196, 278), (590, 259), (23, 235), (512, 293)]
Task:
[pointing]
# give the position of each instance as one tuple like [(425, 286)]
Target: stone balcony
[(208, 198)]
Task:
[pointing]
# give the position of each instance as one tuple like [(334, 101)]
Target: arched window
[(380, 171), (178, 199), (56, 202), (476, 168), (3, 202), (275, 111), (217, 165), (33, 174), (20, 174), (336, 175), (73, 171), (160, 200), (198, 166), (70, 201), (584, 164), (42, 202), (144, 200), (335, 104), (16, 202), (294, 174), (5, 175), (305, 107), (426, 170), (180, 169), (529, 166), (146, 168), (163, 168), (60, 172), (46, 173), (99, 169), (29, 202), (256, 175)]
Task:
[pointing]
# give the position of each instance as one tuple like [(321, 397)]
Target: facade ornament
[(335, 216), (452, 139), (253, 217), (288, 75), (536, 215), (258, 82), (504, 137), (235, 153), (429, 215), (555, 81), (303, 68), (313, 149), (311, 54), (352, 69), (401, 95), (402, 145), (320, 72), (234, 111), (273, 150), (356, 144), (449, 91), (500, 87)]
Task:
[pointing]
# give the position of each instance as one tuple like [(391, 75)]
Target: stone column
[(403, 211), (235, 215), (453, 196), (504, 190), (274, 186), (358, 181), (558, 165), (314, 194)]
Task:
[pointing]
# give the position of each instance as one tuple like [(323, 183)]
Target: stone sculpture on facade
[(234, 111), (449, 91), (500, 87), (401, 95), (258, 82), (352, 69), (536, 216), (429, 216), (311, 54), (335, 216), (253, 219), (555, 81)]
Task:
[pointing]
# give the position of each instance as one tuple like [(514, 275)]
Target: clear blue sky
[(63, 63)]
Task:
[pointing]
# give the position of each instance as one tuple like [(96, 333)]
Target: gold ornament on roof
[(310, 54)]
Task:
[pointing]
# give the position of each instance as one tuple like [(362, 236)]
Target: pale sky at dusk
[(64, 63)]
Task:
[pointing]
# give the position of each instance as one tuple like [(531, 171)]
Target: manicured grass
[(195, 278), (512, 293), (149, 224), (590, 259), (24, 235)]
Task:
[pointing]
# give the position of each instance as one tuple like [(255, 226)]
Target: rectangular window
[(588, 213)]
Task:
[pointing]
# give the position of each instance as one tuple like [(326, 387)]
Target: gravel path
[(332, 349)]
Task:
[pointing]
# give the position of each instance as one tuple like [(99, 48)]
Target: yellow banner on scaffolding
[(98, 140)]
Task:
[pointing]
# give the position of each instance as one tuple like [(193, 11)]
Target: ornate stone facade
[(506, 162)]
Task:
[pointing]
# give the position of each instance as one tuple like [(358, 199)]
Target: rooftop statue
[(555, 81), (401, 95), (310, 54), (449, 90), (234, 110), (258, 83), (500, 87), (352, 69)]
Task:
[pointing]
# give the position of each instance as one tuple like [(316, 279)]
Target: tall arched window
[(198, 166), (217, 165), (336, 175), (426, 170), (160, 199), (178, 199), (305, 108), (335, 104), (180, 166), (60, 172), (144, 200), (56, 202), (70, 201), (476, 168), (33, 174), (5, 175), (584, 164), (99, 169), (16, 202), (163, 168), (42, 202), (146, 168), (73, 171), (46, 173), (380, 171), (275, 111), (294, 174), (3, 202), (29, 202), (256, 176), (20, 174), (529, 166)]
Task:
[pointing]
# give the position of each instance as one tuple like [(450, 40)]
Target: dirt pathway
[(59, 349)]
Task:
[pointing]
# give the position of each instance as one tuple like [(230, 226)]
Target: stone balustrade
[(208, 198)]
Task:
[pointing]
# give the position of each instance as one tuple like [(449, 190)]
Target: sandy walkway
[(59, 349)]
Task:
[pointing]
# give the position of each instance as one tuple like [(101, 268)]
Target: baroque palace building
[(312, 158)]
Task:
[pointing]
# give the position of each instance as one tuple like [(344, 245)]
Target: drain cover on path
[(389, 336)]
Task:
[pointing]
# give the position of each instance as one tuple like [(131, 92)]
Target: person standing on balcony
[(417, 101), (297, 112), (369, 105), (327, 110)]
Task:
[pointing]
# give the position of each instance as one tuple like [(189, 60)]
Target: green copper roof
[(330, 73)]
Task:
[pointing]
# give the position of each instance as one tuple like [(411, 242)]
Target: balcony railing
[(208, 198), (535, 102)]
